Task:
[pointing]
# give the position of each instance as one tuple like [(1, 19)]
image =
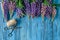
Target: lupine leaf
[(19, 4), (46, 2)]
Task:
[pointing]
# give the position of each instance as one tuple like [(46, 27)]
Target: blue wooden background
[(33, 28)]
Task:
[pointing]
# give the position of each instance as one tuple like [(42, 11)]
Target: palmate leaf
[(19, 4), (46, 2)]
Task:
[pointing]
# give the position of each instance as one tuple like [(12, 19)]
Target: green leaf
[(32, 1), (46, 2), (19, 4)]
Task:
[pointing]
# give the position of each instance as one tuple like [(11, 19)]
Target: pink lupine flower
[(43, 10), (53, 13)]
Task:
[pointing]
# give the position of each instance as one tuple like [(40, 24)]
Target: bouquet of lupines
[(29, 7)]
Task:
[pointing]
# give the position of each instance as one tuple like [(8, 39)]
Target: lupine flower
[(48, 8), (19, 8), (28, 7), (43, 10), (11, 7), (48, 11), (19, 12), (33, 8), (38, 7), (5, 10), (53, 13)]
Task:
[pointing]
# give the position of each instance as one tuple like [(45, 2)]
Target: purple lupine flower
[(11, 7), (28, 7), (38, 7), (48, 11), (19, 12), (5, 10), (33, 8)]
